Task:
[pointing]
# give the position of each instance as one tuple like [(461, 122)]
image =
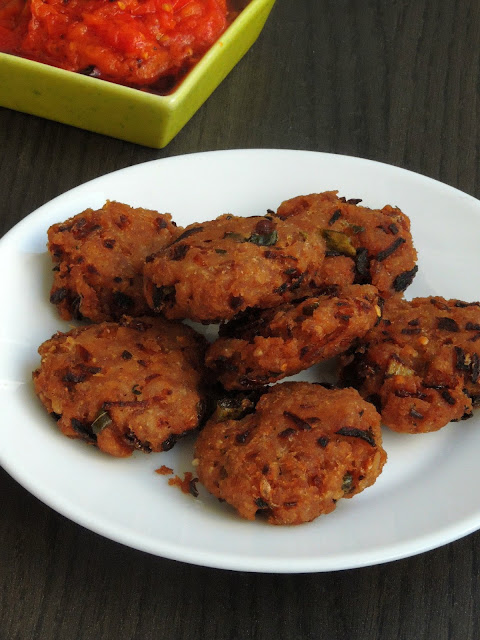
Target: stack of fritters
[(128, 382), (289, 289)]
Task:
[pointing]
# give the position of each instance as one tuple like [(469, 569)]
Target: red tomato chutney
[(133, 42)]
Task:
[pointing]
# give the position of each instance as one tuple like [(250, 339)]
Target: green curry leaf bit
[(356, 228), (235, 237), (100, 422), (339, 242), (347, 484), (267, 239)]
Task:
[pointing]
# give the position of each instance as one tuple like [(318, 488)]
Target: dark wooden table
[(391, 80)]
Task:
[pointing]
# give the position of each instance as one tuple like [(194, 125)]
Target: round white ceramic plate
[(426, 496)]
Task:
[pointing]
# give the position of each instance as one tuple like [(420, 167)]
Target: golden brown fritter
[(365, 246), (304, 448), (134, 385), (421, 364), (99, 258), (263, 346), (216, 269)]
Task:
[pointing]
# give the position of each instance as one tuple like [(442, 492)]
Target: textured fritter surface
[(364, 246), (262, 346), (133, 385), (218, 268), (303, 448), (421, 364), (99, 258)]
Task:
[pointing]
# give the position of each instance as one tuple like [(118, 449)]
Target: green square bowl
[(122, 112)]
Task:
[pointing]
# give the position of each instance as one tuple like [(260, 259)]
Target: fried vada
[(216, 269), (137, 384), (99, 257), (364, 246), (262, 346), (421, 364), (303, 448)]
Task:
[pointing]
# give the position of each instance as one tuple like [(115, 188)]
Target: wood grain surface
[(391, 80)]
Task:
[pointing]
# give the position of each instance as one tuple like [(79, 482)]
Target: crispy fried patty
[(216, 269), (99, 258), (302, 449), (133, 385), (365, 246), (263, 346), (421, 364)]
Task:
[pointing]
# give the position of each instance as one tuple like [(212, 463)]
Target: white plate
[(426, 496)]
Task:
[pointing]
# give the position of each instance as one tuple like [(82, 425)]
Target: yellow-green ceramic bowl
[(122, 112)]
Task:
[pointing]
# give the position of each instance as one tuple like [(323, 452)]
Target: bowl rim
[(187, 84)]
